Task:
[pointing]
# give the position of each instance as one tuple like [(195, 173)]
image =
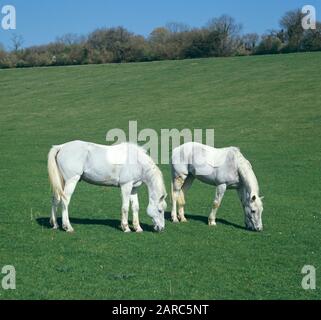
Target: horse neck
[(250, 183), (154, 181)]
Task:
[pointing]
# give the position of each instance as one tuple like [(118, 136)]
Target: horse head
[(156, 210), (253, 208)]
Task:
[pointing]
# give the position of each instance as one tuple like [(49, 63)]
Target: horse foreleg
[(126, 192), (135, 209), (54, 208), (174, 204), (220, 191), (70, 186)]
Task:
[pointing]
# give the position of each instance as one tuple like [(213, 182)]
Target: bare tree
[(177, 27), (3, 55), (116, 41), (17, 42), (226, 32), (312, 39), (250, 41), (270, 44), (225, 25), (71, 39), (292, 29), (159, 35)]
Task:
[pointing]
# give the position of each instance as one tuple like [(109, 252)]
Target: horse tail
[(55, 177)]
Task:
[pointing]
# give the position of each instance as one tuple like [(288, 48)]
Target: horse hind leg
[(126, 191), (70, 186), (181, 199), (54, 209)]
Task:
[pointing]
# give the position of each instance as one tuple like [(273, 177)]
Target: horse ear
[(262, 198)]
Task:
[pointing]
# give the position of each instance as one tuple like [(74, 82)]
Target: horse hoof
[(139, 230), (55, 227), (184, 220), (68, 229), (125, 228), (212, 223), (175, 220)]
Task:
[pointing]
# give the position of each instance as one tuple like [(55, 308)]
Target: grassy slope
[(269, 106)]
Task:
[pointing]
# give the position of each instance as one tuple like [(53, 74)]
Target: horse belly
[(100, 171), (220, 176), (208, 176), (207, 179), (100, 179)]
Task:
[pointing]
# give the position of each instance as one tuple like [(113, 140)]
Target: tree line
[(220, 37)]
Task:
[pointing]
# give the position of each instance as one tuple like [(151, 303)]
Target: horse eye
[(252, 211)]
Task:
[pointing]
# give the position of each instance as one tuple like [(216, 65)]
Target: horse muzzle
[(159, 229), (254, 228)]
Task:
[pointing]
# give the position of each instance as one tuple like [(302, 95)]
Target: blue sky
[(41, 21)]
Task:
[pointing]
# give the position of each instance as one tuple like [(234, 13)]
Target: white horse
[(224, 168), (125, 165)]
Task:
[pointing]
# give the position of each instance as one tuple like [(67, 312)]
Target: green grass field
[(269, 106)]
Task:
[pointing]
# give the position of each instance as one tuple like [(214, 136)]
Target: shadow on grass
[(112, 223), (168, 216), (205, 220)]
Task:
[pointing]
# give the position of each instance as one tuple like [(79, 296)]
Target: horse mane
[(160, 181), (246, 173), (137, 146), (154, 172), (151, 170)]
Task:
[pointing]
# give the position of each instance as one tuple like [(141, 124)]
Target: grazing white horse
[(224, 168), (125, 165)]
